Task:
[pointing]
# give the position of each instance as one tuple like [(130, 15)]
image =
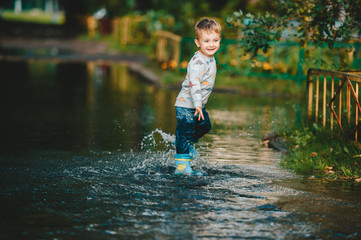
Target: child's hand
[(199, 113)]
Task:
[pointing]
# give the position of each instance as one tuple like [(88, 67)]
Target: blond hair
[(208, 25)]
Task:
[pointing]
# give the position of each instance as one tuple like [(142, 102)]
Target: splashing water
[(159, 146), (151, 141), (157, 152)]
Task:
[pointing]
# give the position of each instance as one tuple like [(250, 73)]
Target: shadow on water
[(87, 153)]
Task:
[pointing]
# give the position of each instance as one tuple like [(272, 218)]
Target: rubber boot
[(183, 165)]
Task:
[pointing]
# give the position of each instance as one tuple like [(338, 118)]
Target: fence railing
[(168, 49), (130, 29), (338, 94)]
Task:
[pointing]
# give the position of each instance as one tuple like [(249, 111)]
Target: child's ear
[(196, 42)]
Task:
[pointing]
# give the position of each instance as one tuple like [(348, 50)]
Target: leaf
[(313, 154), (238, 14), (346, 150), (250, 15), (357, 156)]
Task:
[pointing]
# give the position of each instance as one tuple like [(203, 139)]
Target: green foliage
[(185, 12), (332, 20), (319, 151), (257, 31), (301, 138), (317, 22), (158, 20)]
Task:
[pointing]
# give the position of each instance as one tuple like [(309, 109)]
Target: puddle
[(87, 153)]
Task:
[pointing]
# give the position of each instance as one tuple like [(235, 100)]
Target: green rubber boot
[(183, 165)]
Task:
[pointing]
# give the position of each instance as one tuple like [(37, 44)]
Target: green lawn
[(34, 16)]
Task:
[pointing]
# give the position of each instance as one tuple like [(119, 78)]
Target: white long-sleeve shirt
[(199, 81)]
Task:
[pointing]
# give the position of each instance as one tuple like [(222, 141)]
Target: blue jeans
[(189, 130)]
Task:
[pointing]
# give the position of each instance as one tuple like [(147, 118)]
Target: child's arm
[(197, 70)]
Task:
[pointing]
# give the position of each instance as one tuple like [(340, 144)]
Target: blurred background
[(163, 31), (70, 14)]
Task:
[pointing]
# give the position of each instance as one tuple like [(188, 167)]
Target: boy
[(192, 118)]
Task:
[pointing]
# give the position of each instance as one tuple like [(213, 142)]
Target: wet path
[(61, 50), (124, 195), (104, 195), (87, 154)]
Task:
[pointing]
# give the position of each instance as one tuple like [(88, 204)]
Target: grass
[(244, 84), (227, 80), (324, 153), (34, 16)]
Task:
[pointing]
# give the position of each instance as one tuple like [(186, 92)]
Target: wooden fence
[(335, 104), (130, 30), (168, 47)]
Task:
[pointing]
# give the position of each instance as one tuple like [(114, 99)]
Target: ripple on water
[(136, 195)]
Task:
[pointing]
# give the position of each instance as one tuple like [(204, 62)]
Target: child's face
[(208, 42)]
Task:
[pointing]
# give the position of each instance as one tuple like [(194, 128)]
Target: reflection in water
[(87, 153), (239, 141), (101, 106), (79, 106), (239, 125)]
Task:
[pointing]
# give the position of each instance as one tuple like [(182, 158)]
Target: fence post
[(332, 93), (340, 103), (301, 58), (125, 30), (356, 117), (324, 100), (348, 104), (168, 48), (310, 94), (176, 49), (356, 60), (317, 96)]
